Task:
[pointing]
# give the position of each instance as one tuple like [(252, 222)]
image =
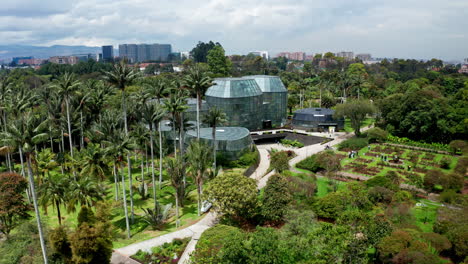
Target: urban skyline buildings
[(145, 52)]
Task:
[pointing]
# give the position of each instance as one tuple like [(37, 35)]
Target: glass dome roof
[(234, 88), (269, 84)]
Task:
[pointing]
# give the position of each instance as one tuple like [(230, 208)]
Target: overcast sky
[(390, 28)]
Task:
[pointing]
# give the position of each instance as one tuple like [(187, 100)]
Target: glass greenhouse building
[(240, 98), (317, 119), (275, 98), (232, 142)]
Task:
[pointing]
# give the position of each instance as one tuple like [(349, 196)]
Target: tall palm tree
[(176, 104), (214, 118), (176, 172), (156, 87), (198, 156), (198, 81), (45, 163), (67, 86), (153, 113), (24, 134), (121, 76), (122, 145)]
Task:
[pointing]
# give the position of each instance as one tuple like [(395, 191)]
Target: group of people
[(353, 154)]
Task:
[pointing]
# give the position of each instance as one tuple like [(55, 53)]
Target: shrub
[(211, 242), (279, 161), (310, 164), (437, 241), (453, 181), (275, 198), (380, 194), (353, 144), (376, 135), (292, 143), (458, 146), (330, 206), (445, 163), (157, 216), (432, 178), (462, 165)]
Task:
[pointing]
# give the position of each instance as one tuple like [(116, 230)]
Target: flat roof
[(222, 133)]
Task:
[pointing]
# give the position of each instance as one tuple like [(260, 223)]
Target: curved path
[(121, 255)]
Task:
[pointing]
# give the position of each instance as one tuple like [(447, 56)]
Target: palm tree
[(85, 191), (121, 76), (52, 192), (153, 113), (24, 134), (176, 105), (93, 162), (67, 86), (199, 159), (176, 172), (156, 87), (214, 118), (198, 81), (122, 145), (45, 162)]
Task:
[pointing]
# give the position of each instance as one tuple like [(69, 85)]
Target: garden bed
[(168, 253)]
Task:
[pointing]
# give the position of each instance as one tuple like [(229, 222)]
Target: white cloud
[(399, 28)]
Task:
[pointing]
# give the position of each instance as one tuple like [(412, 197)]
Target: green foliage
[(276, 198), (356, 111), (458, 146), (60, 244), (376, 134), (86, 215), (166, 254), (218, 62), (13, 206), (310, 164), (353, 144), (157, 216), (199, 53), (330, 206), (23, 246), (445, 163), (279, 161), (420, 144), (292, 143), (233, 195), (211, 242)]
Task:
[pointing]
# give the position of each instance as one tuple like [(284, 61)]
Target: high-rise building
[(465, 60), (364, 56), (108, 53), (17, 59), (64, 59), (262, 53), (145, 52), (346, 54), (299, 56)]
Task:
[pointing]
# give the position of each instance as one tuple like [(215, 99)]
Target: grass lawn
[(323, 183), (365, 123), (140, 230), (425, 214)]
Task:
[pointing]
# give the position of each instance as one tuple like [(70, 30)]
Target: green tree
[(199, 158), (199, 53), (356, 111), (214, 118), (276, 198), (176, 171), (218, 62), (198, 81), (13, 207), (233, 195), (279, 161), (53, 192)]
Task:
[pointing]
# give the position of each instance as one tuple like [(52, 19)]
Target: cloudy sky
[(390, 28)]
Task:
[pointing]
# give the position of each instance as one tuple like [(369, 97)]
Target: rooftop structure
[(275, 98), (232, 142), (317, 119), (240, 98)]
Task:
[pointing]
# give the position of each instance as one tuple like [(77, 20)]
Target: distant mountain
[(39, 52)]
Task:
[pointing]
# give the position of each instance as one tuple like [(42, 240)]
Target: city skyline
[(417, 29)]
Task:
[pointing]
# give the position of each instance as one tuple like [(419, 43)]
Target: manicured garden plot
[(411, 165)]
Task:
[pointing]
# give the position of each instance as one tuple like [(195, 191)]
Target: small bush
[(353, 144), (310, 164), (279, 161), (292, 143), (445, 163), (376, 135)]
